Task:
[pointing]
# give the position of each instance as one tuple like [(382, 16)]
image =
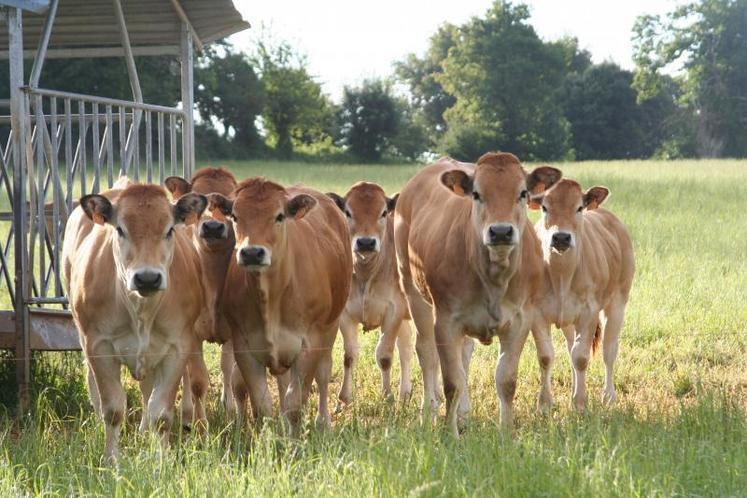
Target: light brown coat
[(470, 264)]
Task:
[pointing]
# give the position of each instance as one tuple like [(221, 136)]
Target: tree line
[(488, 84)]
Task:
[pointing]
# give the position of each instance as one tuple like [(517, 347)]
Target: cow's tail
[(597, 339)]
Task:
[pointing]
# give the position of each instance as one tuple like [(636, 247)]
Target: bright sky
[(347, 41)]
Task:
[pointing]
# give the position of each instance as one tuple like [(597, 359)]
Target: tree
[(707, 40), (368, 119), (605, 118), (421, 75), (505, 81), (229, 92), (295, 109)]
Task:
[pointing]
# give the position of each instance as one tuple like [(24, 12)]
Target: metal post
[(41, 51), (188, 102), (134, 83), (19, 121)]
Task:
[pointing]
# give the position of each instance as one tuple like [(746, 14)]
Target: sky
[(347, 41)]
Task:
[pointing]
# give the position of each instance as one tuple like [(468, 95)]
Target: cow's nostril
[(365, 244), (253, 255), (500, 233), (561, 239), (148, 280)]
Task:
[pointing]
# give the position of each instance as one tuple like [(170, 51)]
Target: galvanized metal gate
[(58, 146)]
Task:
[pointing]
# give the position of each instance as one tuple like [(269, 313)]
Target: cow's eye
[(476, 196), (233, 217), (279, 218), (120, 232), (580, 208), (523, 195), (383, 214), (544, 209), (170, 233), (348, 213)]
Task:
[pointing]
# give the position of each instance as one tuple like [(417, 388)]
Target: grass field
[(679, 427)]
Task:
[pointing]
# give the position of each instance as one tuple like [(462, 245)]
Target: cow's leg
[(349, 330), (240, 394), (425, 346), (293, 399), (614, 315), (468, 347), (569, 332), (283, 381), (187, 403), (106, 372), (450, 342), (161, 403), (146, 389), (226, 367), (385, 352), (199, 379), (93, 390), (255, 378), (545, 357), (580, 355), (512, 343), (404, 345), (323, 375)]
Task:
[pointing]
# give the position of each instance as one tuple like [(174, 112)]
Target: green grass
[(679, 427)]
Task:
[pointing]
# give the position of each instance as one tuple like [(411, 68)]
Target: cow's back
[(608, 252), (320, 243), (434, 232)]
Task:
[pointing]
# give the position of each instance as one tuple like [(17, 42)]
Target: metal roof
[(89, 27)]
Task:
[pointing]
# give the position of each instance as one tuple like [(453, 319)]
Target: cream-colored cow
[(135, 293), (470, 264), (376, 300), (589, 267)]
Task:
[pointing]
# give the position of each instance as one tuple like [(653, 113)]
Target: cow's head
[(367, 209), (500, 189), (260, 211), (143, 220), (213, 229), (562, 212)]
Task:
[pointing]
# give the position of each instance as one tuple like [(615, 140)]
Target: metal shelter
[(62, 145)]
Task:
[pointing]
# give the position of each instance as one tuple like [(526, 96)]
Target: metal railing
[(75, 145)]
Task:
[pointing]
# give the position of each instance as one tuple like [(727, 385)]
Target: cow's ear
[(391, 202), (98, 208), (189, 208), (178, 186), (338, 200), (458, 181), (595, 196), (542, 178), (299, 205), (220, 205), (535, 201)]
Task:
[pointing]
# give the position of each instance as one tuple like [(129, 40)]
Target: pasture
[(679, 426)]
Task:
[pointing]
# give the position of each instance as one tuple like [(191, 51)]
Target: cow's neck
[(214, 264), (142, 312), (496, 269), (562, 270), (273, 283)]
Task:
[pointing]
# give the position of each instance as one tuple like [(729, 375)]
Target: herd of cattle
[(272, 273)]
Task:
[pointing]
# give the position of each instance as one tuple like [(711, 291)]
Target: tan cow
[(214, 240), (286, 288), (470, 264), (589, 271), (135, 296), (376, 300)]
